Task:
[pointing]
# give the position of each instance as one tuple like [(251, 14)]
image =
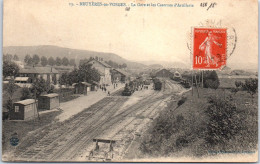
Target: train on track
[(157, 84), (131, 87), (185, 83), (139, 83), (134, 85)]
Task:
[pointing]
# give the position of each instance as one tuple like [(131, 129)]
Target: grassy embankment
[(200, 127)]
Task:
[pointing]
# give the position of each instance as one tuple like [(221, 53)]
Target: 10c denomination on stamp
[(209, 48)]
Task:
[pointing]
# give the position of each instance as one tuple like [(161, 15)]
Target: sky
[(141, 34)]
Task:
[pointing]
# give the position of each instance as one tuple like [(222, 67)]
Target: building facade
[(103, 69), (47, 73)]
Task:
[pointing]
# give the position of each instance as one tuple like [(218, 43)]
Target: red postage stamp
[(209, 48)]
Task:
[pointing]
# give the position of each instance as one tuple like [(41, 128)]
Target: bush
[(224, 121), (181, 101), (238, 84), (251, 86), (26, 94)]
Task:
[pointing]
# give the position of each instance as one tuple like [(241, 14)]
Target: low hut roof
[(26, 102), (51, 95)]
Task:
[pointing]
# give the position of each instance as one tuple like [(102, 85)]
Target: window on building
[(16, 109)]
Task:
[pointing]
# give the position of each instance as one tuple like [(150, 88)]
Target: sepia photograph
[(130, 81)]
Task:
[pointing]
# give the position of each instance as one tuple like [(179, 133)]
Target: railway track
[(55, 131), (146, 111), (154, 103), (87, 140), (67, 140), (41, 148)]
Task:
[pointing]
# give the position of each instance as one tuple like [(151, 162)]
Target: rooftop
[(51, 95), (101, 62), (21, 78), (121, 71), (39, 70), (26, 102)]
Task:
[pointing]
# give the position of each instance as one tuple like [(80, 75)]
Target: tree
[(10, 88), (35, 59), (51, 61), (238, 84), (75, 76), (49, 88), (28, 60), (64, 79), (58, 61), (39, 86), (26, 94), (82, 61), (251, 86), (209, 83), (8, 57), (124, 65), (72, 62), (44, 61), (90, 74), (16, 58), (10, 69), (65, 61), (84, 74), (211, 80)]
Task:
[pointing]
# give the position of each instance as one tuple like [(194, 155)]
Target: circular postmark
[(211, 43), (14, 140)]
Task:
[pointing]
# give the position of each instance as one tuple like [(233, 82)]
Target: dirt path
[(75, 106)]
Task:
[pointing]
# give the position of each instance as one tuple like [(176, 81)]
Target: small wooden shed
[(23, 110), (82, 88), (94, 86), (49, 101)]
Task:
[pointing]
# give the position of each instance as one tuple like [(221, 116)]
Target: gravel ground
[(75, 106)]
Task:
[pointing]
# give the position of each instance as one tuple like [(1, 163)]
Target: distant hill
[(155, 66), (166, 64), (55, 51)]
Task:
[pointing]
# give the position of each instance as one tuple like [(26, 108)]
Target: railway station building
[(103, 69), (164, 73), (118, 75)]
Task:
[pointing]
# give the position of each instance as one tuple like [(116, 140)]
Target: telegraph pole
[(202, 79), (197, 86), (36, 106), (192, 83)]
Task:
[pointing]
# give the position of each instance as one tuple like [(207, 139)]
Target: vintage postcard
[(130, 81)]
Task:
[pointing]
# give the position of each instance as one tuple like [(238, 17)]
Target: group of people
[(142, 87), (103, 88), (115, 85)]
